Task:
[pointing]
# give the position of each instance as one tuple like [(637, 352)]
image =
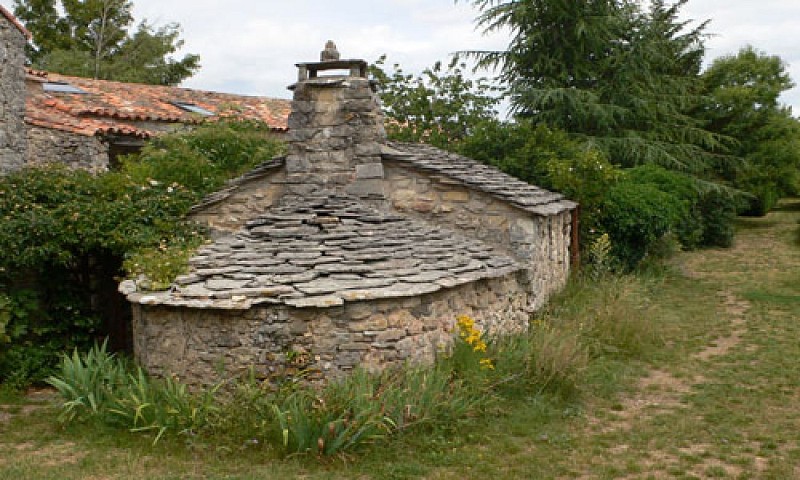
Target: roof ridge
[(478, 176), (14, 21)]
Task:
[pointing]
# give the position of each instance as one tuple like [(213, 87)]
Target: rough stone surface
[(352, 250), (243, 198), (539, 242), (326, 251), (13, 143), (195, 344), (46, 146)]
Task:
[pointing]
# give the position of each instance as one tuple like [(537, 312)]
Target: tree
[(743, 102), (608, 72), (441, 106), (93, 38)]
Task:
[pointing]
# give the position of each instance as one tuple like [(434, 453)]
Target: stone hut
[(352, 250), (13, 143)]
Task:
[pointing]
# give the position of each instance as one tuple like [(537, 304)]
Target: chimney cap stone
[(330, 53)]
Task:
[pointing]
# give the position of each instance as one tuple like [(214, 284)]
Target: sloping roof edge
[(478, 176), (11, 18)]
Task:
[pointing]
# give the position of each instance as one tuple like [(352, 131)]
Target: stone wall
[(47, 146), (336, 130), (197, 344), (541, 243), (248, 201), (12, 96)]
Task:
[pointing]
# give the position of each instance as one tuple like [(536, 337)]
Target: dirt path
[(638, 427)]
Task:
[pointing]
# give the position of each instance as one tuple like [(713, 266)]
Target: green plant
[(309, 424), (545, 360), (88, 382), (598, 258), (142, 404), (636, 216)]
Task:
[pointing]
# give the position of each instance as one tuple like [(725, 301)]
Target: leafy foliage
[(636, 216), (93, 38), (441, 106), (743, 92), (66, 227), (620, 78)]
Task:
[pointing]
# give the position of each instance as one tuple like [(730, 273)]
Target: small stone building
[(13, 143), (352, 250), (86, 123)]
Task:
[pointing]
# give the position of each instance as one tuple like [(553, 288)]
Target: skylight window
[(62, 87), (191, 107)]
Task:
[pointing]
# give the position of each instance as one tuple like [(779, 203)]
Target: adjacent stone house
[(352, 250), (13, 142), (86, 123)]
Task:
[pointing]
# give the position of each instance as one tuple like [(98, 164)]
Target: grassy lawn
[(718, 397)]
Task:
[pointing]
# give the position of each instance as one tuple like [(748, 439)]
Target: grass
[(698, 379)]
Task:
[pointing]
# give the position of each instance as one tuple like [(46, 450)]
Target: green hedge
[(64, 232)]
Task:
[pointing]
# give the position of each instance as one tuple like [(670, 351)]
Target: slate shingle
[(384, 256)]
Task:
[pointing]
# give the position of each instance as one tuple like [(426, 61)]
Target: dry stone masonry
[(47, 146), (352, 250), (13, 143)]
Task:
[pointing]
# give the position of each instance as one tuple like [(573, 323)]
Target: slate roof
[(233, 185), (11, 18), (327, 251), (473, 174), (116, 107)]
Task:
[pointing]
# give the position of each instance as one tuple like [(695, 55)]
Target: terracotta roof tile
[(108, 107)]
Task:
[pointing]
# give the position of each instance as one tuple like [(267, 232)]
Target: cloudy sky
[(251, 46)]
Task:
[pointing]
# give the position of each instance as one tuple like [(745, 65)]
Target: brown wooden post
[(574, 246)]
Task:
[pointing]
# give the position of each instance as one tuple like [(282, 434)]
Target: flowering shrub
[(473, 338)]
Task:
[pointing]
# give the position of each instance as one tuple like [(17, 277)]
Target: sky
[(250, 46)]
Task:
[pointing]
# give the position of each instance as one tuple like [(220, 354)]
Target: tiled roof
[(479, 176), (326, 251), (115, 107), (11, 18)]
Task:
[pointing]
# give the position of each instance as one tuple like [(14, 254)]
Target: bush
[(201, 160), (64, 232), (636, 216)]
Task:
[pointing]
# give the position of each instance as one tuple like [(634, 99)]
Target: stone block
[(369, 171), (456, 196), (365, 188)]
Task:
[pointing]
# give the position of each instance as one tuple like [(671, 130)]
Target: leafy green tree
[(441, 106), (608, 72), (94, 38), (743, 92)]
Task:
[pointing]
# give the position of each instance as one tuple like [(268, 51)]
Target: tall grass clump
[(98, 385), (610, 316), (593, 319), (88, 383)]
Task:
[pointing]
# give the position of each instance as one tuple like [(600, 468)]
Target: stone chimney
[(335, 130), (13, 140)]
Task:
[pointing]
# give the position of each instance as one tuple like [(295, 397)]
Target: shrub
[(636, 216), (201, 160), (64, 231), (88, 383)]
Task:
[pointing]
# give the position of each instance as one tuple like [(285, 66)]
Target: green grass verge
[(688, 373)]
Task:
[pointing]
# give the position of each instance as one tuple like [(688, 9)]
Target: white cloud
[(251, 46)]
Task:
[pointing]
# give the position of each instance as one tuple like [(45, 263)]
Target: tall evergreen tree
[(621, 78), (94, 38)]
